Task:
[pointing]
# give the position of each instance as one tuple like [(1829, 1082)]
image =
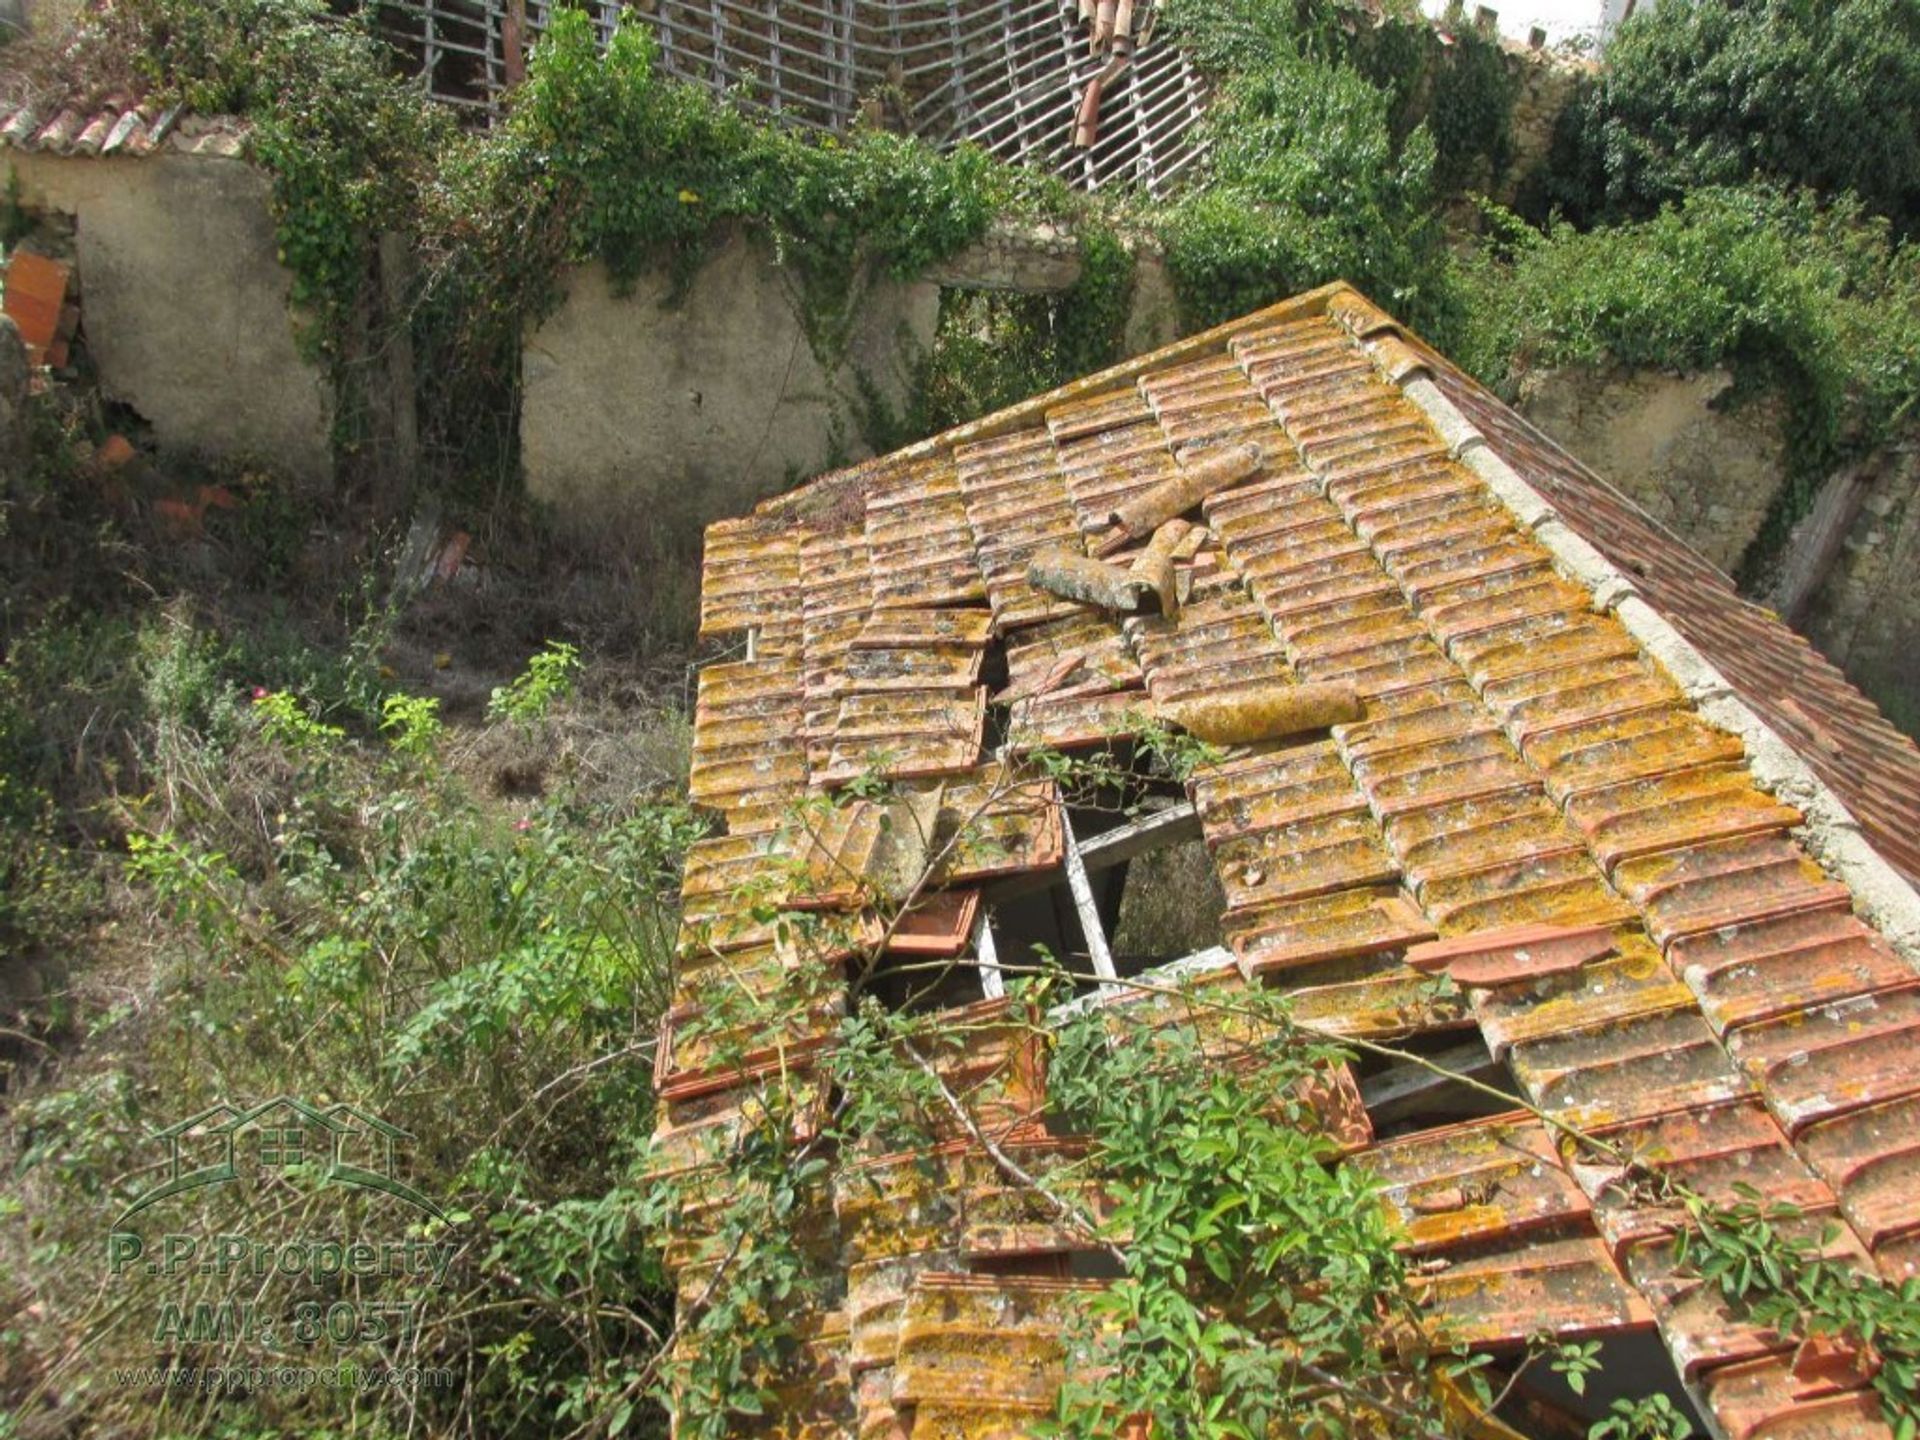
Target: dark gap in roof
[(1094, 1265), (1633, 1365), (999, 725), (993, 665), (1023, 925), (1404, 1097), (915, 984), (1043, 1265), (1170, 907)]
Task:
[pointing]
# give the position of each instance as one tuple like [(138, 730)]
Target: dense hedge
[(1308, 183), (1817, 93)]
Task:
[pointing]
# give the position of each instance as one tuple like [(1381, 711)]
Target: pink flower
[(523, 824), (259, 692)]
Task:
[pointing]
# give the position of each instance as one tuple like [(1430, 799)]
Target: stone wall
[(1547, 82), (1866, 617), (689, 409), (1706, 468), (185, 303)]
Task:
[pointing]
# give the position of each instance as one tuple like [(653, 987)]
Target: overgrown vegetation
[(1824, 96), (992, 349), (261, 837), (243, 854), (1815, 302), (1309, 185), (600, 158)]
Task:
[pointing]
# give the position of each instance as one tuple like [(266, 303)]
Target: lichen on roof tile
[(1528, 763)]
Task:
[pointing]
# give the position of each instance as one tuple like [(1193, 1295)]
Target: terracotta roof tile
[(1726, 1016), (116, 129), (1876, 771)]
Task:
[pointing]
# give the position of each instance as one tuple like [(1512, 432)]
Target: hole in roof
[(993, 664), (916, 984), (1170, 906), (1094, 1265), (1632, 1366), (1042, 1265), (1405, 1097), (1043, 922)]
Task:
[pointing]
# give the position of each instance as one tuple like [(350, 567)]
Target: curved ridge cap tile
[(1395, 358), (1362, 318)]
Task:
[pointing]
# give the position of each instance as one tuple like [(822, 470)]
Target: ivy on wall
[(1335, 147), (1815, 301)]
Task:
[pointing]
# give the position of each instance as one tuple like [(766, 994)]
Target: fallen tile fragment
[(1089, 581), (1271, 712), (1155, 565), (36, 292), (1520, 952), (1174, 497)]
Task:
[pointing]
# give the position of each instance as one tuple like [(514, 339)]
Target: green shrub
[(1818, 93), (1307, 186), (1818, 302), (333, 917)]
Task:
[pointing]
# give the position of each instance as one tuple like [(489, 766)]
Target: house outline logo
[(290, 1132)]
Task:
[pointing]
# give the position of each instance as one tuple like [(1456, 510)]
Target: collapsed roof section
[(1664, 923), (1011, 76)]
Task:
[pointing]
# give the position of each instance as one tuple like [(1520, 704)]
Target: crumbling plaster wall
[(1705, 468), (185, 307), (1709, 471), (687, 409), (1866, 617)]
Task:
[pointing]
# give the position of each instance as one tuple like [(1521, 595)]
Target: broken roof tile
[(1483, 1180), (1519, 955), (1632, 923)]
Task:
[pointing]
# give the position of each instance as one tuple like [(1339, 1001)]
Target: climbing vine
[(1813, 301), (1258, 1283)]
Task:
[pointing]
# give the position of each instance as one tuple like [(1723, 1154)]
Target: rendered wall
[(1866, 618), (185, 303), (1709, 471), (1704, 468), (687, 410)]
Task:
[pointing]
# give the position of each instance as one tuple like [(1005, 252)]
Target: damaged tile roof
[(1662, 849)]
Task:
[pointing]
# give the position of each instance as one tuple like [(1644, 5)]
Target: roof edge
[(1034, 409), (1830, 833)]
